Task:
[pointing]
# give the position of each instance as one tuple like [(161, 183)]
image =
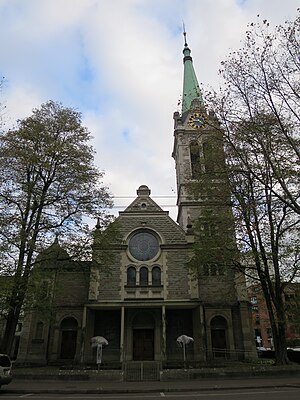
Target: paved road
[(236, 394)]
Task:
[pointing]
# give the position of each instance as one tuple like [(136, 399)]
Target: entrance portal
[(218, 336), (143, 328), (143, 344), (68, 338)]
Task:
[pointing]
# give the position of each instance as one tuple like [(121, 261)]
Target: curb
[(144, 390), (193, 375)]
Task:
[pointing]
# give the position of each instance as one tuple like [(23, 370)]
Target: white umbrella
[(99, 342), (183, 340)]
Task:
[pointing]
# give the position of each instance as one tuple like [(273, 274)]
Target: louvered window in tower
[(208, 157), (195, 159)]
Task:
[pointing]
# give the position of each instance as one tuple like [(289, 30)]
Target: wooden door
[(218, 339), (143, 344), (68, 345)]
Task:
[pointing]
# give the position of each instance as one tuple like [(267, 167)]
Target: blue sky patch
[(241, 2), (126, 135)]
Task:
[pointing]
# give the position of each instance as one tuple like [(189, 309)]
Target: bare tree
[(259, 112), (262, 82)]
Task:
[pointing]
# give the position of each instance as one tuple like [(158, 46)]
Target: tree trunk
[(10, 328), (277, 322), (15, 304), (280, 340)]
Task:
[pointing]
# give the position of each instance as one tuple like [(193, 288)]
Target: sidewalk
[(71, 386)]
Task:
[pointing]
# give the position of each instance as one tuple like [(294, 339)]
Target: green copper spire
[(191, 89)]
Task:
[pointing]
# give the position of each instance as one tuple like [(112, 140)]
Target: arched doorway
[(143, 327), (68, 329), (218, 327)]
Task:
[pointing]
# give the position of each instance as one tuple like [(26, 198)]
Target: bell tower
[(204, 210), (202, 185)]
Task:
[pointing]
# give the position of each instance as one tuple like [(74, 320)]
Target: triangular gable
[(143, 203)]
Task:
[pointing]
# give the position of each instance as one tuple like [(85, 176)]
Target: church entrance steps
[(142, 371)]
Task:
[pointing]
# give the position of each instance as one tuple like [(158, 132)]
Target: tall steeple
[(198, 153), (191, 89), (190, 131), (204, 213)]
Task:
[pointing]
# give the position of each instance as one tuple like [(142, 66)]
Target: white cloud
[(120, 63), (21, 100)]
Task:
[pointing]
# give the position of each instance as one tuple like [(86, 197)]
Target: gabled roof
[(144, 213), (143, 203)]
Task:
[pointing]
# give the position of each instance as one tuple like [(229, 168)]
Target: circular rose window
[(143, 246)]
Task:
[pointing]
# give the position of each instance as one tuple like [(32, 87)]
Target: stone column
[(249, 343), (55, 353), (89, 333), (164, 334), (199, 334), (83, 331), (122, 350)]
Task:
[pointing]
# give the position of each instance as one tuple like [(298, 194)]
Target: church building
[(163, 279)]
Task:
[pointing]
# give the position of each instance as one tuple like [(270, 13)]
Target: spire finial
[(98, 224), (184, 34)]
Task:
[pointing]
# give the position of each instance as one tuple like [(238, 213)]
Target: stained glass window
[(143, 246)]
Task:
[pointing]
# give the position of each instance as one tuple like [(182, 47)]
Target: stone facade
[(141, 314)]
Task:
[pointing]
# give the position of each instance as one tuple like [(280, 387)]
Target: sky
[(119, 62)]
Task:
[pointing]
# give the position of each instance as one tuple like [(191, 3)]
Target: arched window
[(220, 269), (131, 276), (213, 269), (195, 159), (144, 276), (156, 276), (69, 324), (39, 330), (206, 269)]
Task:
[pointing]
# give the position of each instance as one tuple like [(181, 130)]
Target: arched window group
[(144, 276), (208, 229), (213, 269), (208, 158)]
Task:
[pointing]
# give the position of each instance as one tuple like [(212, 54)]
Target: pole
[(99, 355)]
